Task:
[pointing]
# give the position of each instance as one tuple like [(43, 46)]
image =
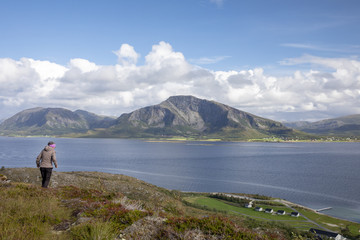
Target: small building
[(249, 205), (269, 210), (321, 233), (259, 209), (281, 212), (295, 214)]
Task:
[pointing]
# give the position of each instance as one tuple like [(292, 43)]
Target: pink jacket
[(46, 158)]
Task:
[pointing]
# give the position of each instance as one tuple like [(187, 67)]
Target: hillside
[(52, 121), (187, 116), (94, 205), (342, 126)]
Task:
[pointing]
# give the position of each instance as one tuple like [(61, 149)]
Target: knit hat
[(51, 144)]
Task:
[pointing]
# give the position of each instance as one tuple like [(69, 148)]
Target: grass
[(31, 212), (331, 223), (28, 212), (348, 229), (250, 212)]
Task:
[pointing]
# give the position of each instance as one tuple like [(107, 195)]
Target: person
[(45, 162)]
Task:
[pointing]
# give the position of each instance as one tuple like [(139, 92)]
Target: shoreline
[(280, 200), (210, 140)]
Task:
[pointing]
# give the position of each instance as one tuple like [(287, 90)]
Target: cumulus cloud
[(127, 55), (83, 65), (125, 86)]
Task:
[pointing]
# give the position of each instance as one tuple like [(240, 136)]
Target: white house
[(269, 210), (295, 214), (331, 235), (259, 209), (249, 205), (281, 212)]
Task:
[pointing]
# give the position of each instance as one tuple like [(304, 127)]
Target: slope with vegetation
[(191, 117), (93, 205)]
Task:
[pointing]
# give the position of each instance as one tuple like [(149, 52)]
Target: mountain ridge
[(341, 126), (51, 121), (178, 116), (189, 116)]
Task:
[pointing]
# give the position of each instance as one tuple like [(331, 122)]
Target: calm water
[(316, 175)]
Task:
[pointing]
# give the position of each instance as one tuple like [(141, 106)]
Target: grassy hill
[(93, 205)]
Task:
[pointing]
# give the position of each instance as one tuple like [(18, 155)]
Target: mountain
[(342, 126), (189, 116), (178, 116), (52, 121), (96, 121)]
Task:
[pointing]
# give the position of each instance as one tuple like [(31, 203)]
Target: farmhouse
[(249, 205), (321, 233), (259, 209), (269, 210), (295, 214), (281, 212)]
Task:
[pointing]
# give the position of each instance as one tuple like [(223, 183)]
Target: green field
[(331, 223), (220, 205), (301, 223)]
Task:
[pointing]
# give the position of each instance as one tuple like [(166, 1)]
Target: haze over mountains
[(178, 116), (342, 126), (52, 121)]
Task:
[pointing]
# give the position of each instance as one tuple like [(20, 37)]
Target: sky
[(287, 60)]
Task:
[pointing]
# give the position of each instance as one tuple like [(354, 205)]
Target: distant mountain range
[(342, 126), (184, 116), (53, 121)]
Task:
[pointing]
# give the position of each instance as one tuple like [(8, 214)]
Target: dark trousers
[(46, 175)]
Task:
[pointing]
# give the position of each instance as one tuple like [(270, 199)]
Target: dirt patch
[(331, 225)]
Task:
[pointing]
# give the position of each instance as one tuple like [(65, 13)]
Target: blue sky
[(282, 59)]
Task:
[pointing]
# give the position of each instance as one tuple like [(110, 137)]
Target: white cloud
[(127, 55), (218, 2), (123, 87), (208, 60), (83, 65), (352, 49)]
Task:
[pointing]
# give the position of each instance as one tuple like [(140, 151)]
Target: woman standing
[(44, 161)]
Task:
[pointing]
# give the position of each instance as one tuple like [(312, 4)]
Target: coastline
[(30, 179), (329, 139)]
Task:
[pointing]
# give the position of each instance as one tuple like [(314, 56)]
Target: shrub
[(93, 231)]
